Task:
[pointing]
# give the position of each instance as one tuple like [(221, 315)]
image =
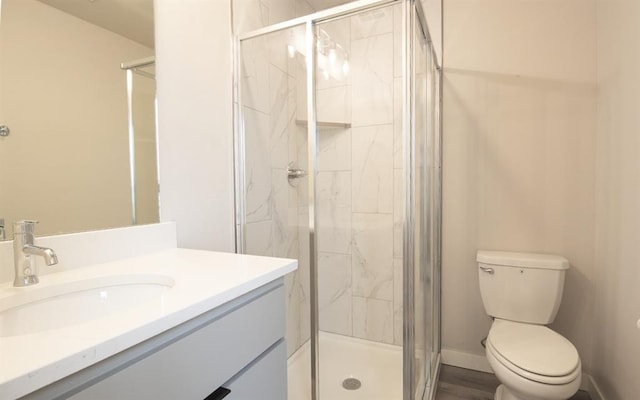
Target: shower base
[(377, 367)]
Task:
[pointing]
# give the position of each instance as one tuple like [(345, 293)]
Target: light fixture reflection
[(332, 59), (332, 56), (345, 68)]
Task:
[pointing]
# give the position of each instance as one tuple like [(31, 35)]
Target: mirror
[(79, 148)]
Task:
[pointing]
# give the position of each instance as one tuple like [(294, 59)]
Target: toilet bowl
[(532, 362), (522, 292)]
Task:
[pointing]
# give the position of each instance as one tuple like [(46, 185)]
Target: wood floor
[(463, 384)]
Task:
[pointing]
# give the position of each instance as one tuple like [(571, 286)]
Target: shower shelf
[(325, 124)]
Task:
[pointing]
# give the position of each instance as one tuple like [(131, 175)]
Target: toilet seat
[(534, 352)]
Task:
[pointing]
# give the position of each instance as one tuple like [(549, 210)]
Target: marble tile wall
[(359, 183), (359, 179), (271, 142), (276, 217)]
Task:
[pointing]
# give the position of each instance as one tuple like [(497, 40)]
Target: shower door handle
[(294, 173)]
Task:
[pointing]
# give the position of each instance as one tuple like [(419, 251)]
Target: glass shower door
[(359, 204), (422, 233), (273, 211), (424, 201)]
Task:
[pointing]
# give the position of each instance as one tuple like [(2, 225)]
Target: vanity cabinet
[(238, 346)]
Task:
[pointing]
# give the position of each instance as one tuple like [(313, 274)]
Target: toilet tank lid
[(522, 260)]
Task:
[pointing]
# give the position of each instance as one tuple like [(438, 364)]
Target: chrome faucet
[(24, 249)]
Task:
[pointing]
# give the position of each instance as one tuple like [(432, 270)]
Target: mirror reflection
[(77, 95)]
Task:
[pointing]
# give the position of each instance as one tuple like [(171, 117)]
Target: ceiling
[(132, 19)]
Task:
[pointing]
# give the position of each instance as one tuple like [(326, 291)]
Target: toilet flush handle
[(488, 270)]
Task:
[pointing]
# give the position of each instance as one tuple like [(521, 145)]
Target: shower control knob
[(4, 130), (294, 173)]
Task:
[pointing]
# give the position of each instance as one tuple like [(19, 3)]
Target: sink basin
[(44, 307)]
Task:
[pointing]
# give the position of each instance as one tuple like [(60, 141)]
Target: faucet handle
[(24, 226)]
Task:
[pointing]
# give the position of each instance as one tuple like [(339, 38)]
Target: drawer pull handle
[(219, 394)]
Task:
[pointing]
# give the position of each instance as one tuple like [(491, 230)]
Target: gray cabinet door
[(265, 379)]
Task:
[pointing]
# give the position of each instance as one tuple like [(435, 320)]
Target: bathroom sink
[(52, 306)]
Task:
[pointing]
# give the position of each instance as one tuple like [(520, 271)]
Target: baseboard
[(466, 360), (590, 386)]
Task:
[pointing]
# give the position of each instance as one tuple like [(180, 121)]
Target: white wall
[(193, 64), (617, 339), (519, 153), (433, 11)]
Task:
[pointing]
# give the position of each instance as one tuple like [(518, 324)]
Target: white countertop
[(203, 281)]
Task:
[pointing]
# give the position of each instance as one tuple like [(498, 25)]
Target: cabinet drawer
[(195, 365), (265, 379)]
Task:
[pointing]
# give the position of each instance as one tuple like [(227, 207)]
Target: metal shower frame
[(413, 14)]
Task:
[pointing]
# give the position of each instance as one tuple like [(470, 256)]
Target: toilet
[(522, 292)]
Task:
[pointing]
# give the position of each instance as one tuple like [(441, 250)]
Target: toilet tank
[(521, 287)]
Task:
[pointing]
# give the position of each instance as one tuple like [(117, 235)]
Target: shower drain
[(351, 384)]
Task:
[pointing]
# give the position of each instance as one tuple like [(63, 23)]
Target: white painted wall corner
[(590, 386), (462, 359)]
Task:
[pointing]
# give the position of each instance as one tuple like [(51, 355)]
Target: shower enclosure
[(338, 166)]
